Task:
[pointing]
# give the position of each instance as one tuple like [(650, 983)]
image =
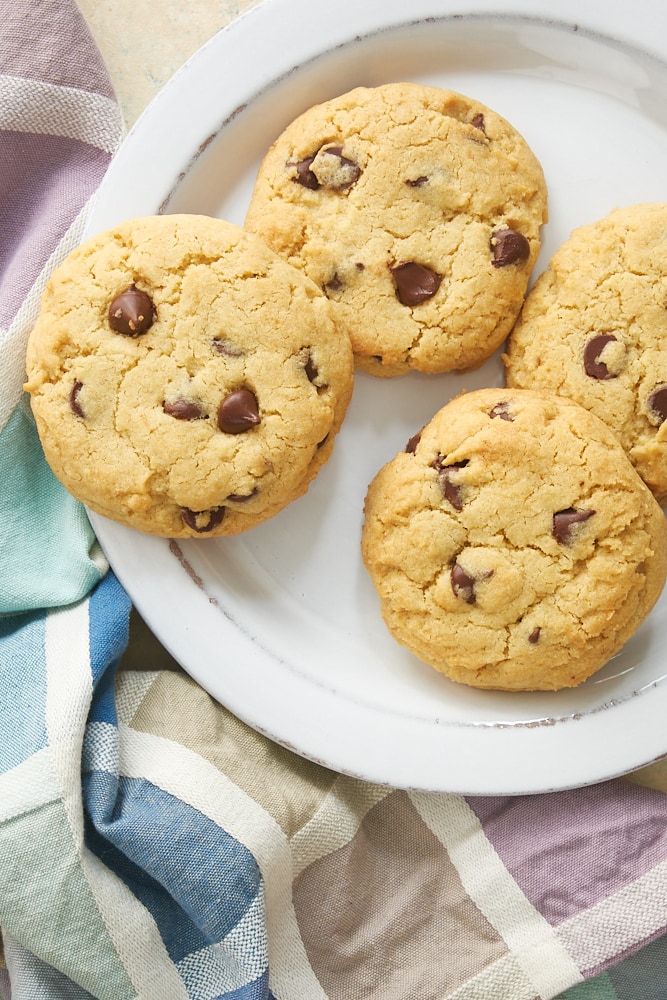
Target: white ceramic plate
[(282, 625)]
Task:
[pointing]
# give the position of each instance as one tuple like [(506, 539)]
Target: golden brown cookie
[(594, 328), (186, 380), (418, 212), (512, 543)]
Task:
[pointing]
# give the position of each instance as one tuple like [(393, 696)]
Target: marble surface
[(143, 43)]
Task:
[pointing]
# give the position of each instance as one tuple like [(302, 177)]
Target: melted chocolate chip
[(657, 403), (74, 403), (202, 520), (411, 446), (535, 635), (359, 266), (238, 412), (334, 284), (463, 584), (225, 347), (304, 175), (342, 174), (509, 247), (417, 182), (478, 121), (593, 367), (310, 369), (183, 409), (414, 282), (345, 173), (132, 312), (501, 410), (450, 490), (565, 522), (243, 497)]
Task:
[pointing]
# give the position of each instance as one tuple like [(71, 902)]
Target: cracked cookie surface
[(185, 380), (417, 210), (594, 328), (512, 544)]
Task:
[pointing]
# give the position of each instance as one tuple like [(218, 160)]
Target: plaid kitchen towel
[(154, 847)]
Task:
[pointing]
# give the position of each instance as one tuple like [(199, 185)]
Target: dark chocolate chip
[(183, 409), (414, 282), (347, 172), (593, 367), (223, 346), (450, 490), (411, 446), (132, 312), (238, 412), (535, 635), (478, 121), (304, 175), (243, 497), (359, 266), (310, 369), (509, 247), (566, 521), (74, 403), (657, 403), (202, 520), (501, 410), (334, 284), (463, 584), (417, 182)]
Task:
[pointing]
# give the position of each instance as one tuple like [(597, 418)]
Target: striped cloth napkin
[(151, 845)]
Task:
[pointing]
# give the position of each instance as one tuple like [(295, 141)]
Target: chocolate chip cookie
[(512, 543), (417, 210), (186, 380), (594, 328)]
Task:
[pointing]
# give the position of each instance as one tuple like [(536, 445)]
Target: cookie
[(418, 212), (185, 380), (594, 328), (512, 543)]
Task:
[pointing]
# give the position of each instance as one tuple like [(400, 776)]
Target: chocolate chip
[(243, 497), (132, 312), (202, 520), (337, 175), (417, 182), (238, 412), (183, 409), (463, 584), (344, 172), (478, 121), (566, 521), (501, 410), (221, 345), (304, 175), (334, 284), (593, 367), (310, 369), (450, 490), (535, 635), (74, 403), (657, 403), (509, 247), (411, 446), (313, 373), (414, 282)]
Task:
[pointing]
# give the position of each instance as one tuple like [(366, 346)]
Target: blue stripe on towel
[(151, 839)]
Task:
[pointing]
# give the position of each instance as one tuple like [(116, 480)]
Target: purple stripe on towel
[(43, 41), (45, 180), (569, 850)]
